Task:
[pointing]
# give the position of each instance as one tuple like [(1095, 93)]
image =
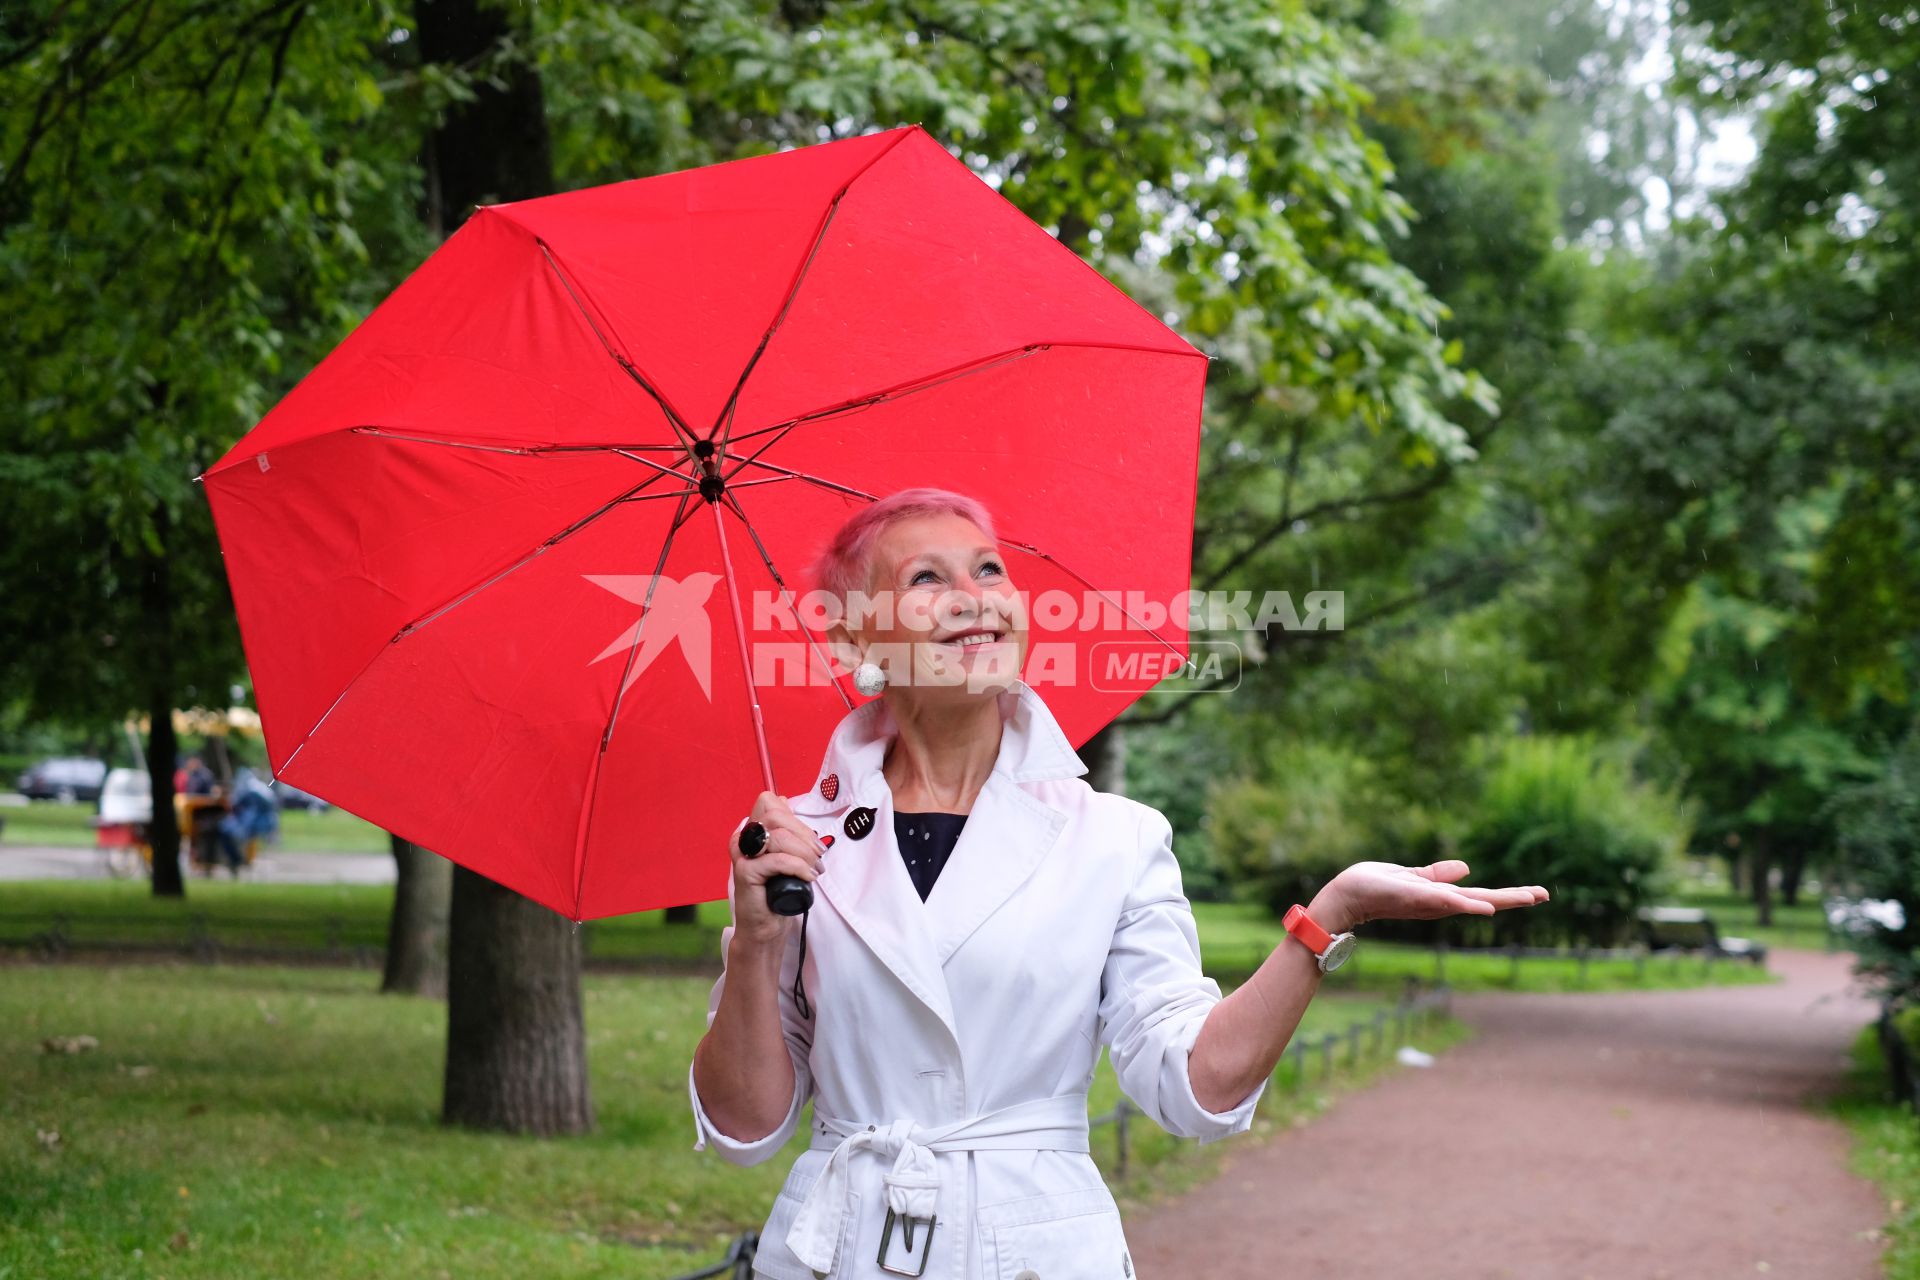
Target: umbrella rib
[(613, 715), (786, 474), (819, 237), (785, 593), (905, 389), (673, 415), (750, 484), (549, 541), (648, 462), (1032, 550), (411, 627), (726, 412), (531, 450), (384, 434)]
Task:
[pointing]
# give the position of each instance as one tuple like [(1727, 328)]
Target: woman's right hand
[(792, 849)]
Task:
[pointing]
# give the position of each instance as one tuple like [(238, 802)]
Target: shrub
[(1879, 855), (1565, 813), (1281, 840)]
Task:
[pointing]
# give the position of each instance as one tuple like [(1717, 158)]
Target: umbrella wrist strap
[(800, 992)]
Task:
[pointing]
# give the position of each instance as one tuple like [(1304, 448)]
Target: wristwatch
[(1330, 949)]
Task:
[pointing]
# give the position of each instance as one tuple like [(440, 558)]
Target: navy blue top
[(925, 841)]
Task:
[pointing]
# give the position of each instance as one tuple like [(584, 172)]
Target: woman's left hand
[(1387, 891)]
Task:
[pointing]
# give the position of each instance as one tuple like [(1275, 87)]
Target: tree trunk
[(516, 1047), (156, 611), (494, 148), (417, 930), (516, 1041), (1105, 756), (1793, 867), (1760, 867)]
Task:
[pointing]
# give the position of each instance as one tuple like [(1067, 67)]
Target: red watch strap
[(1304, 927)]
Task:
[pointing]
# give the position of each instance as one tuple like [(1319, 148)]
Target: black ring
[(753, 840)]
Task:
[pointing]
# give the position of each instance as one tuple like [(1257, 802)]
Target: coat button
[(1028, 1274)]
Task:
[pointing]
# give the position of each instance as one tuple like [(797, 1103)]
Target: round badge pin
[(858, 823)]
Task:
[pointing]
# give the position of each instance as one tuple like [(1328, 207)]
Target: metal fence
[(736, 1265), (1672, 961), (1899, 1059), (1362, 1039), (211, 937)]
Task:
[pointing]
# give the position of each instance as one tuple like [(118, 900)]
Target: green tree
[(188, 196)]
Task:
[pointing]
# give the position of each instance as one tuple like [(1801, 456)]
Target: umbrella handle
[(786, 895)]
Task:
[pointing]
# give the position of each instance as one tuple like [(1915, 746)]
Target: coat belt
[(1040, 1124)]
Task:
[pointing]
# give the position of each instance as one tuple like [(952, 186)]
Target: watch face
[(1337, 952)]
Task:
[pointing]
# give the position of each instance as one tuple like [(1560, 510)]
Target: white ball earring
[(869, 679)]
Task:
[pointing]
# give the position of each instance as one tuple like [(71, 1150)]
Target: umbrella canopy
[(475, 568)]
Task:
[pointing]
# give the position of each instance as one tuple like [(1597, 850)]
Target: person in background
[(254, 813), (194, 778)]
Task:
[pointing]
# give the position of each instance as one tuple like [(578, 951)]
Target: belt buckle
[(886, 1237)]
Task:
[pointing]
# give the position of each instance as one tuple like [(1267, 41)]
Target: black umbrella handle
[(788, 895)]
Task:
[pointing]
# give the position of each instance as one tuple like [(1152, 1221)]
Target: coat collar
[(1008, 833), (1033, 747)]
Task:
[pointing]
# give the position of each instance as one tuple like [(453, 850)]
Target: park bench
[(1693, 929)]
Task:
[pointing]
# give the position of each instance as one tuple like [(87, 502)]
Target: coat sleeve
[(1154, 997), (798, 1033)]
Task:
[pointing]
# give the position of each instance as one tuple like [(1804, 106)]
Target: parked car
[(64, 778), (292, 797)]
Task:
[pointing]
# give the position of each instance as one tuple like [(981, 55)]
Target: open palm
[(1388, 891)]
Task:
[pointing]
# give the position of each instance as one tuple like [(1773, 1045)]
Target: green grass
[(253, 1121), (46, 822), (1886, 1148), (1234, 937)]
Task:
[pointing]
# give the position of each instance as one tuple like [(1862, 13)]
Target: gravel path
[(57, 862), (1638, 1136)]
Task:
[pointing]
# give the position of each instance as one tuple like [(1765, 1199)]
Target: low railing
[(1899, 1058), (1363, 1039)]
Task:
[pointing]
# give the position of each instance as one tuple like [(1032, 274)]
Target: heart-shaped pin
[(830, 785)]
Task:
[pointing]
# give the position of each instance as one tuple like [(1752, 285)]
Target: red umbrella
[(487, 602)]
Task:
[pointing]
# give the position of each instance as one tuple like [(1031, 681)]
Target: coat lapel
[(1008, 833)]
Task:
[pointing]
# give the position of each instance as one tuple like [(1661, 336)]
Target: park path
[(1632, 1136), (272, 866)]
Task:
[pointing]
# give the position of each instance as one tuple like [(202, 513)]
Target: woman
[(983, 923)]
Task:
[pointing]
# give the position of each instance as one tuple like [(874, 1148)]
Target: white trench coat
[(953, 1041)]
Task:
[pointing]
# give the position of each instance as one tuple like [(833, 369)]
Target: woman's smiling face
[(947, 615)]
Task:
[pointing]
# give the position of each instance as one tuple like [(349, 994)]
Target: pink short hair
[(846, 566)]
